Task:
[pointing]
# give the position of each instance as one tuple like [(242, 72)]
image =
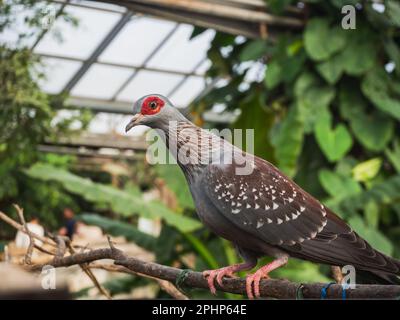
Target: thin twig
[(86, 269), (29, 251), (20, 227), (165, 285)]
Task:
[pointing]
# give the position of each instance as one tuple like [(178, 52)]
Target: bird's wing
[(265, 203), (270, 206)]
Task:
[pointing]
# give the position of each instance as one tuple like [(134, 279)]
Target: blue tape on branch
[(324, 290), (345, 286)]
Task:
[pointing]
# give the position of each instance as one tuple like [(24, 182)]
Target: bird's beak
[(134, 121)]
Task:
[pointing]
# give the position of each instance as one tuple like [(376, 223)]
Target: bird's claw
[(253, 280), (216, 275)]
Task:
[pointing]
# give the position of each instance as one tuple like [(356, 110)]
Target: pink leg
[(218, 274), (256, 277)]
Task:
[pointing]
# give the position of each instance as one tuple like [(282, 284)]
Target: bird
[(261, 211)]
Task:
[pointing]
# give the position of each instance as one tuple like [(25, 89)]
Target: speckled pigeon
[(262, 212)]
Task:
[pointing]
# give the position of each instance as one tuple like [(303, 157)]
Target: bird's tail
[(391, 276), (377, 277)]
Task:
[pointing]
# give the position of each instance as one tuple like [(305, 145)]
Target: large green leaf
[(273, 74), (360, 52), (394, 155), (322, 41), (332, 69), (119, 201), (367, 170), (373, 130), (337, 185), (393, 12), (287, 62), (287, 138), (253, 50), (379, 89), (313, 98), (384, 193), (371, 212), (334, 143), (118, 228)]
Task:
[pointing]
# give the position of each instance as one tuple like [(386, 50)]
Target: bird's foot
[(253, 280), (218, 275)]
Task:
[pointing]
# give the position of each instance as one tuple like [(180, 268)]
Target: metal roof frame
[(98, 51), (112, 105)]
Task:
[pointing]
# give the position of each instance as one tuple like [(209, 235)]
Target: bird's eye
[(153, 105)]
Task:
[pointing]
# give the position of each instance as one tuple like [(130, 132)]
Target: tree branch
[(279, 289)]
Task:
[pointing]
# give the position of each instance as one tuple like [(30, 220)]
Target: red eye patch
[(152, 105)]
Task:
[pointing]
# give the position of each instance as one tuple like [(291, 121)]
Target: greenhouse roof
[(114, 57)]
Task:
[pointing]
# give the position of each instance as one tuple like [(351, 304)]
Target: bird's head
[(154, 111)]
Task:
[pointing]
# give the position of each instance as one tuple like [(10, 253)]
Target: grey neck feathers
[(192, 147)]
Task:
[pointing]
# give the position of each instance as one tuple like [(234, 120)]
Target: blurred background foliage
[(325, 109)]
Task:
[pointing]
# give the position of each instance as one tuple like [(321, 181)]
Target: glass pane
[(189, 90), (180, 53), (78, 42), (148, 82), (101, 81), (136, 41), (58, 72)]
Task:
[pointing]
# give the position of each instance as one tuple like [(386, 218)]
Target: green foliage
[(106, 196), (287, 138), (374, 129), (26, 119), (259, 120), (119, 228), (338, 185), (300, 271), (334, 109), (253, 50), (367, 170), (334, 143), (393, 155), (26, 115), (383, 91), (321, 40), (175, 180)]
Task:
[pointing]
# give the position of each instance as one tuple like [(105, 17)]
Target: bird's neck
[(191, 146)]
